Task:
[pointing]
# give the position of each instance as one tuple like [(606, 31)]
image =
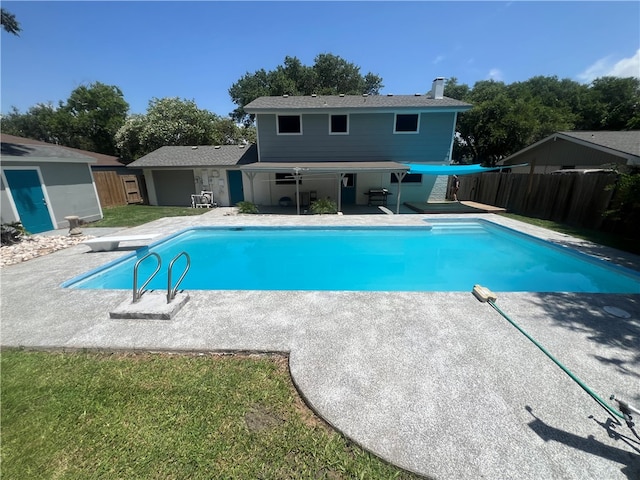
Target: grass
[(159, 416), (134, 215), (625, 243)]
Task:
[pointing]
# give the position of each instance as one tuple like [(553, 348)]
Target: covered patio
[(335, 171)]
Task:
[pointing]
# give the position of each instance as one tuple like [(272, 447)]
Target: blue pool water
[(447, 256)]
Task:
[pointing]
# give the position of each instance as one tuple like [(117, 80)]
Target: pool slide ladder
[(171, 291), (625, 411)]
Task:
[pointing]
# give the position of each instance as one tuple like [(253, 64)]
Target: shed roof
[(353, 102), (623, 144), (27, 148), (198, 156)]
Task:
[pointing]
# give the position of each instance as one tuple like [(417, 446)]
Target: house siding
[(69, 187), (370, 138)]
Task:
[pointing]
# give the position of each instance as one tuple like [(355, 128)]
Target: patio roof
[(318, 167)]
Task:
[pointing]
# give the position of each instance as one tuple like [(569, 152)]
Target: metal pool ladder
[(171, 292)]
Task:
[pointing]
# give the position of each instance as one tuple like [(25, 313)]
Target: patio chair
[(203, 200)]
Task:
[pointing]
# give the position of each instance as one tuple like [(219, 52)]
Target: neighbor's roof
[(198, 156), (623, 144), (14, 146), (313, 103)]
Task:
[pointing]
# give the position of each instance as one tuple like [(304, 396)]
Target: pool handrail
[(171, 292), (137, 293)]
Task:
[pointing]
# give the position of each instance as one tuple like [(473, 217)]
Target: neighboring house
[(44, 183), (172, 174), (338, 146), (578, 151)]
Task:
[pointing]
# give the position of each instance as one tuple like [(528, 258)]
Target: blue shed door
[(29, 200), (236, 192)]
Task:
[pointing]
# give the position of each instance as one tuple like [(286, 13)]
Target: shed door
[(236, 192), (28, 196), (174, 187)]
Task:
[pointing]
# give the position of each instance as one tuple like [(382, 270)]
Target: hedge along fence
[(574, 199)]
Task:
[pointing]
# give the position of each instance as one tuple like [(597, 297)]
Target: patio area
[(433, 382)]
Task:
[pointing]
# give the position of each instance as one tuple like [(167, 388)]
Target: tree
[(175, 121), (330, 75), (9, 22), (94, 115), (88, 120)]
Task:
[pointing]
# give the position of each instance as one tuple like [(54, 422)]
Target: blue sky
[(197, 50)]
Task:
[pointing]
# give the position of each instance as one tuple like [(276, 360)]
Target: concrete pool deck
[(436, 383)]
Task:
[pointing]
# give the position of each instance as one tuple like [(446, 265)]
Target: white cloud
[(438, 59), (495, 74), (606, 67)]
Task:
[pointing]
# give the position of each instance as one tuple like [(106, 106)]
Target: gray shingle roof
[(22, 148), (198, 156), (625, 142), (353, 102)]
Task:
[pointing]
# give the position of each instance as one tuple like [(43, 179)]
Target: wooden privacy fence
[(114, 189), (574, 199)]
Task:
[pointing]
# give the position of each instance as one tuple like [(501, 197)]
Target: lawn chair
[(203, 200)]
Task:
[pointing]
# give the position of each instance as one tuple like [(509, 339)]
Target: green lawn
[(134, 215), (626, 243), (160, 416)]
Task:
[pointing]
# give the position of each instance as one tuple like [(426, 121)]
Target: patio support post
[(252, 176), (399, 176), (296, 177), (339, 196)]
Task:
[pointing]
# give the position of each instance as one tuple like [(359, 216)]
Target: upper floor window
[(289, 125), (338, 124), (407, 123)]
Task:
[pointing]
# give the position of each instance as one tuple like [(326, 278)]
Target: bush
[(324, 206), (247, 207), (12, 233)]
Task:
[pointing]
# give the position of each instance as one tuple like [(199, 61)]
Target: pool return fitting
[(625, 411)]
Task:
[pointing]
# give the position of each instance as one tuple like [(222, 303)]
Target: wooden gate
[(114, 189)]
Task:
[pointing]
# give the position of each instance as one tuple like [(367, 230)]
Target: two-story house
[(342, 147), (345, 146)]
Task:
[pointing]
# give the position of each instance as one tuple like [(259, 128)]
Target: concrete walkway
[(436, 383)]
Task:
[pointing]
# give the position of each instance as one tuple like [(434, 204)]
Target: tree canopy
[(176, 121), (329, 75), (9, 22), (507, 118), (88, 120)]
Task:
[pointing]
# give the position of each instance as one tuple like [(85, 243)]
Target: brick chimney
[(437, 90)]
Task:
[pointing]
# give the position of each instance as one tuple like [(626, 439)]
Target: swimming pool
[(441, 256)]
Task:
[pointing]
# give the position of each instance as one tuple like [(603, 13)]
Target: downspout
[(341, 177)]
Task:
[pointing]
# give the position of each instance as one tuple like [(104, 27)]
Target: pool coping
[(374, 364)]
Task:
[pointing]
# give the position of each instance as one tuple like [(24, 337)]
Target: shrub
[(12, 233), (324, 206), (247, 207)]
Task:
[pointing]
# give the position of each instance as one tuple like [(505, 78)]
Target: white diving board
[(103, 244)]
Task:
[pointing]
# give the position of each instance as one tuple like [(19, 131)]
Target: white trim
[(342, 115), (95, 191), (43, 186), (288, 133), (395, 122)]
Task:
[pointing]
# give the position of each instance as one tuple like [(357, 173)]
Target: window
[(338, 124), (407, 123), (289, 125), (286, 179), (408, 178)]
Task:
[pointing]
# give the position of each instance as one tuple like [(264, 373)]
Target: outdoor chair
[(203, 200)]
